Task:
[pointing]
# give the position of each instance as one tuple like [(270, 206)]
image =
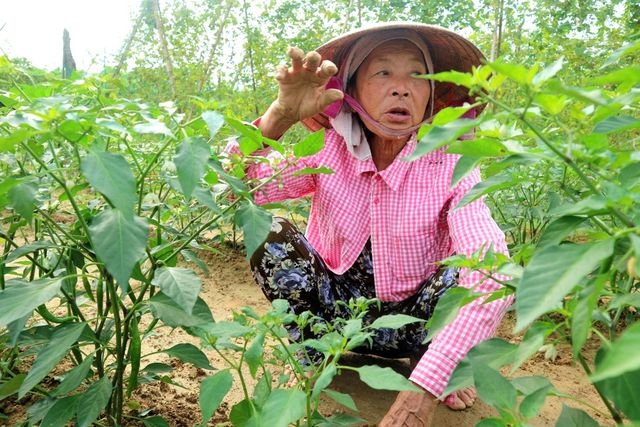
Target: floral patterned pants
[(287, 267)]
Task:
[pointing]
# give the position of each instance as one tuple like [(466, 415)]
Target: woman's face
[(387, 88)]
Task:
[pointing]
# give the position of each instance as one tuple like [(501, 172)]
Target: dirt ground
[(229, 286)]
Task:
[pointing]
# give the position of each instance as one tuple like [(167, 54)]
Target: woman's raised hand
[(301, 93)]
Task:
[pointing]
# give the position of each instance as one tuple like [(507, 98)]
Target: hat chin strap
[(334, 109), (379, 127)]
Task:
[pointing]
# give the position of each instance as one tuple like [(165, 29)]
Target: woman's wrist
[(276, 121)]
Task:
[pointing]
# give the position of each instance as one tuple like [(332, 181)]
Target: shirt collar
[(396, 172)]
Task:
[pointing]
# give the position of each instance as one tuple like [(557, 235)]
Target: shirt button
[(376, 201)]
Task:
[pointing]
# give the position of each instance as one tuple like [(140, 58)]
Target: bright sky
[(97, 28)]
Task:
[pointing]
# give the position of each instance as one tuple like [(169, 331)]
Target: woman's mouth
[(398, 115)]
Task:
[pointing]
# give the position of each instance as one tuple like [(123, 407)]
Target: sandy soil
[(230, 287)]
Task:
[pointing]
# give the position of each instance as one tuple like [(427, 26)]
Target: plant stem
[(116, 402), (614, 412)]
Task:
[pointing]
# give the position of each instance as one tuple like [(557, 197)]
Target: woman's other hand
[(411, 409)]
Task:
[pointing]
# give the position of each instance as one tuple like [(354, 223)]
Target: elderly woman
[(378, 224)]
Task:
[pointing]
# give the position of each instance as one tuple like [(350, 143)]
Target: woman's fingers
[(311, 61), (297, 57), (327, 69)]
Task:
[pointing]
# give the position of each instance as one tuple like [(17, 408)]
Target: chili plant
[(579, 279), (273, 401), (103, 201)]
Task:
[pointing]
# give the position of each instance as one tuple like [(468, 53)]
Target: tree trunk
[(252, 67), (207, 67), (497, 30), (68, 64), (125, 50), (164, 48)]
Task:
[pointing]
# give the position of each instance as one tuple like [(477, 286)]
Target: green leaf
[(393, 321), (213, 389), (559, 229), (283, 407), (592, 205), (532, 403), (548, 72), (528, 385), (180, 284), (73, 130), (9, 142), (571, 417), (62, 340), (74, 377), (214, 121), (254, 354), (171, 314), (621, 357), (494, 389), (191, 159), (153, 126), (262, 389), (622, 390), (251, 138), (437, 136), (23, 199), (255, 223), (156, 421), (310, 145), (342, 398), (489, 185), (243, 414), (31, 247), (61, 412), (551, 103), (532, 341), (517, 73), (457, 77), (616, 124), (189, 353), (464, 166), (11, 386), (111, 175), (20, 297), (479, 147), (205, 197), (447, 309), (111, 125), (494, 352), (93, 401), (324, 380), (384, 378), (552, 273), (120, 242)]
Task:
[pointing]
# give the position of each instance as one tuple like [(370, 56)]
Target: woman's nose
[(400, 93)]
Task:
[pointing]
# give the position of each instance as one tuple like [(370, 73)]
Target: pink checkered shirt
[(407, 211)]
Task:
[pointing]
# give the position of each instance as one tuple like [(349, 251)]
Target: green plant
[(242, 341), (579, 279), (103, 201)]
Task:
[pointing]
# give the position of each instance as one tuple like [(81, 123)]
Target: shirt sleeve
[(471, 228), (281, 173)]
